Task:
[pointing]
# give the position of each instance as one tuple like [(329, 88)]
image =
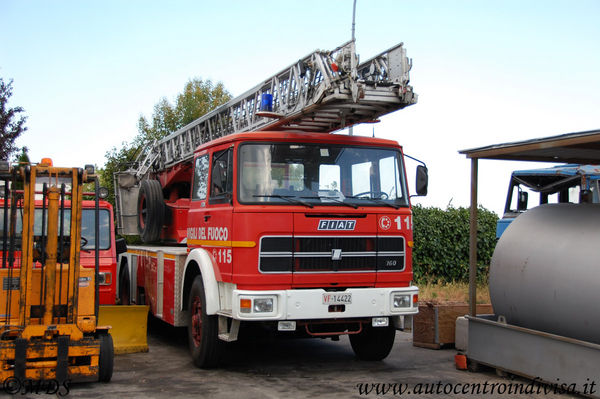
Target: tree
[(198, 98), (23, 158), (11, 127), (116, 160)]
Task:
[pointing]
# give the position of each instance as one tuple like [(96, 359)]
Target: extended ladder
[(322, 92)]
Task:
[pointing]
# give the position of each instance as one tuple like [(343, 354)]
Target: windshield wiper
[(290, 198), (377, 201), (332, 199)]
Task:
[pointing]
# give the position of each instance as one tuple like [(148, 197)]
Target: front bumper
[(307, 304)]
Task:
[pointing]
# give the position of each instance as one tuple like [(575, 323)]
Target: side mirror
[(586, 197), (121, 246), (522, 202), (422, 180)]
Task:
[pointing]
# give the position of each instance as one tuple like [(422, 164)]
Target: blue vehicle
[(558, 184)]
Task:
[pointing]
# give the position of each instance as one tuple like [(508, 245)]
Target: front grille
[(327, 244), (318, 264), (331, 254)]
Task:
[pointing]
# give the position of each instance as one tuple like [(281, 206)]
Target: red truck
[(107, 251), (304, 232)]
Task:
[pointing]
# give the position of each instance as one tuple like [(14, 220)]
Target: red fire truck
[(253, 214), (107, 251)]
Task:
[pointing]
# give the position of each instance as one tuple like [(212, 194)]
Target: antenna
[(351, 131), (353, 20)]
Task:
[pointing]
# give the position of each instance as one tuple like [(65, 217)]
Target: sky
[(486, 72)]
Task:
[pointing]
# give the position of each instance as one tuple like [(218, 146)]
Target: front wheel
[(106, 360), (203, 329), (373, 343)]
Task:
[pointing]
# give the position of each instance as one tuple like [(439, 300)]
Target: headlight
[(104, 278), (257, 305), (401, 301), (103, 192), (380, 321), (263, 305)]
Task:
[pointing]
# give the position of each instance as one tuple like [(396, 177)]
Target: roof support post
[(473, 241)]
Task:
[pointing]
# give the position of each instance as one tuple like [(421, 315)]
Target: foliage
[(23, 157), (11, 125), (198, 98), (441, 237), (116, 160)]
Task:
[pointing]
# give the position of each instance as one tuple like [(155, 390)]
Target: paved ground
[(307, 368)]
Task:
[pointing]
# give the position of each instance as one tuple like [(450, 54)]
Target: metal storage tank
[(545, 271)]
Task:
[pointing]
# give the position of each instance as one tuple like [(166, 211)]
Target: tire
[(124, 289), (203, 330), (107, 355), (151, 210), (373, 343)]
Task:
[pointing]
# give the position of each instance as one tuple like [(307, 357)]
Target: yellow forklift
[(48, 302)]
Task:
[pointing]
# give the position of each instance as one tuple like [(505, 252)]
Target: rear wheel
[(106, 361), (373, 343), (151, 210), (203, 329)]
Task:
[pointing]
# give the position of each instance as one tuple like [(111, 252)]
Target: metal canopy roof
[(579, 147)]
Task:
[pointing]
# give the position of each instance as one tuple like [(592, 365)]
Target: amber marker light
[(245, 305)]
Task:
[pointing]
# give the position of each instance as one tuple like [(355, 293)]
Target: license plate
[(333, 298)]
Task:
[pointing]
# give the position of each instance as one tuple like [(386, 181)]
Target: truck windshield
[(87, 226), (526, 192), (320, 174)]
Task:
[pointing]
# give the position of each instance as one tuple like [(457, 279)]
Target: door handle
[(206, 217)]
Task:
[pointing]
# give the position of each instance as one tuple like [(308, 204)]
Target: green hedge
[(441, 237)]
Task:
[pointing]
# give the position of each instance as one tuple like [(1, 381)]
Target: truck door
[(211, 217)]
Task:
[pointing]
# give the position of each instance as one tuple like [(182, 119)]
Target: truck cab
[(559, 184), (282, 211)]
